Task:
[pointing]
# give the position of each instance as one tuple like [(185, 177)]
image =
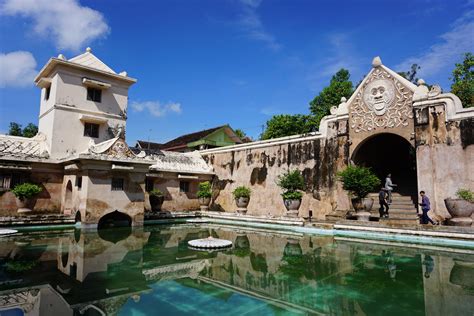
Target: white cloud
[(252, 25), (447, 51), (70, 25), (17, 69), (157, 109)]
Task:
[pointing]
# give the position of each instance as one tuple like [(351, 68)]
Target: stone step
[(401, 208), (412, 212)]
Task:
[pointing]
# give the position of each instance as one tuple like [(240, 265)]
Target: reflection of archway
[(68, 200), (389, 153)]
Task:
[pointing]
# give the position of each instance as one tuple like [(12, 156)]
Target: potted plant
[(242, 198), (360, 181), (461, 209), (291, 183), (24, 194), (204, 194), (156, 198)]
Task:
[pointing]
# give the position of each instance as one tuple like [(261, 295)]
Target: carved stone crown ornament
[(383, 102)]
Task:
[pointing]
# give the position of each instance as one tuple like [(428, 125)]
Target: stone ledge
[(255, 219), (36, 220)]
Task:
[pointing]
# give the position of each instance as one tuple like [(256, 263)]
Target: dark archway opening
[(389, 153), (115, 219), (68, 200)]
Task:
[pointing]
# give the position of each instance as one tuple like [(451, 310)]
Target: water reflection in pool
[(152, 270)]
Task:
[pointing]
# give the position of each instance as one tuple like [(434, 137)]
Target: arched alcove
[(389, 153), (68, 205)]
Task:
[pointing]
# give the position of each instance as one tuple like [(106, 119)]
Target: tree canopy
[(410, 75), (29, 131), (463, 80), (339, 86), (287, 125), (240, 133)]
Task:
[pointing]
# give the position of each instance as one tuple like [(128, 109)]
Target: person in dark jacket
[(383, 210), (425, 207)]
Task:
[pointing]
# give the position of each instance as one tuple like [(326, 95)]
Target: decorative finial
[(343, 99), (61, 56), (88, 49), (123, 73), (421, 82), (376, 62)]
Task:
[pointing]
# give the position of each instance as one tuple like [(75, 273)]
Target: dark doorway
[(389, 153)]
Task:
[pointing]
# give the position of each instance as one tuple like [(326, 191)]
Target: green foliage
[(410, 75), (292, 195), (291, 182), (15, 129), (204, 190), (339, 86), (465, 194), (360, 181), (29, 131), (20, 265), (287, 125), (241, 191), (240, 133), (156, 192), (26, 190), (463, 80)]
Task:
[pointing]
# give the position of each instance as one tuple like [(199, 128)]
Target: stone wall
[(445, 156), (50, 178), (259, 165)]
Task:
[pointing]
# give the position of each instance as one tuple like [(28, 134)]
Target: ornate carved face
[(378, 95)]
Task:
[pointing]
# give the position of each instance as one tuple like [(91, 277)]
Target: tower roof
[(90, 60), (86, 61)]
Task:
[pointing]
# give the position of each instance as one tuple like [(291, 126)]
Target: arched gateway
[(388, 153)]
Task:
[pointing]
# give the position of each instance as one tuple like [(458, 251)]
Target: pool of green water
[(151, 271)]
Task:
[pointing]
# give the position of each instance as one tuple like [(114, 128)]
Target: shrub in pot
[(292, 183), (204, 194), (156, 198), (242, 198), (24, 194), (461, 208), (360, 181)]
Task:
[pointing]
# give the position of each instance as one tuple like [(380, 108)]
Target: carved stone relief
[(383, 102)]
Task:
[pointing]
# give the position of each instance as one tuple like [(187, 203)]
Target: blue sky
[(201, 64)]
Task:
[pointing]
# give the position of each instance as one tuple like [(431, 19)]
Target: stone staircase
[(402, 210)]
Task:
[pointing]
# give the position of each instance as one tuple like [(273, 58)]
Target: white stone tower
[(82, 100)]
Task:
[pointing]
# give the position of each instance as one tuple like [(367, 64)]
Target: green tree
[(15, 129), (339, 86), (410, 75), (30, 130), (240, 133), (463, 80), (287, 125)]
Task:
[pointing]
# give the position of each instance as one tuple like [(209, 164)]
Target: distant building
[(206, 139)]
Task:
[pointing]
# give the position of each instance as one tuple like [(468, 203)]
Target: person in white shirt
[(389, 187)]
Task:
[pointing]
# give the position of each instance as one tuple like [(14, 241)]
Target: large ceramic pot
[(242, 203), (362, 206), (204, 203), (156, 201), (292, 207), (460, 211), (25, 205)]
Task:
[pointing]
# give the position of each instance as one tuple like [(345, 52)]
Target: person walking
[(425, 207), (383, 210), (389, 187)]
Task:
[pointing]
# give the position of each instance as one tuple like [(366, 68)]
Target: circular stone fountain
[(209, 243)]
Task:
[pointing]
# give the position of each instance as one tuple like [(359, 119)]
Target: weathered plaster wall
[(50, 178), (174, 199), (318, 159), (101, 200), (445, 156)]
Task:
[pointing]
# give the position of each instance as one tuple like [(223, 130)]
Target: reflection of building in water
[(308, 274)]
